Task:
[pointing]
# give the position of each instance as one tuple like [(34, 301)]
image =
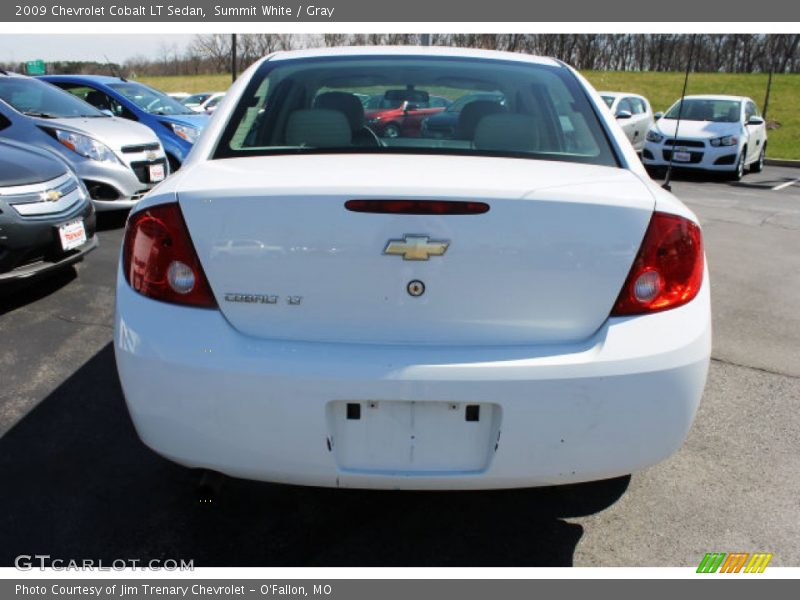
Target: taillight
[(667, 271), (160, 261)]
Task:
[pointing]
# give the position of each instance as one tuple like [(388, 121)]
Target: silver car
[(118, 161), (633, 114)]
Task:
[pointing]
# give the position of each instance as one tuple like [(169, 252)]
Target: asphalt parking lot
[(77, 483)]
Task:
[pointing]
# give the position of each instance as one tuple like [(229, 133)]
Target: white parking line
[(785, 185)]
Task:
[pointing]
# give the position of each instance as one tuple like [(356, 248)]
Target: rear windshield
[(380, 105)]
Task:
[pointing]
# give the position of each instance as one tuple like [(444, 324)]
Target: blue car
[(176, 126)]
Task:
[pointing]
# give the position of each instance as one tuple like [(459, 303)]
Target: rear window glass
[(385, 104)]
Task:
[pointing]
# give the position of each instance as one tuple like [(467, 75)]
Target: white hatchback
[(715, 133), (517, 304)]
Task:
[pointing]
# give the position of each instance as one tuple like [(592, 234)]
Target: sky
[(118, 48)]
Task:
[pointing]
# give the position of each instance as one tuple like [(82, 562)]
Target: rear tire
[(758, 166)]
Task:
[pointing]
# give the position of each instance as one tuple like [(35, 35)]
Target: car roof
[(716, 97), (104, 79), (620, 94), (437, 51)]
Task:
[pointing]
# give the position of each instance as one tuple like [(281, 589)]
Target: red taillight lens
[(667, 271), (160, 261)]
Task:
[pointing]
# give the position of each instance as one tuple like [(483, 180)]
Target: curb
[(781, 162)]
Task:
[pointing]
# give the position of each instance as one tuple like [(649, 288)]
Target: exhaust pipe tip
[(209, 486)]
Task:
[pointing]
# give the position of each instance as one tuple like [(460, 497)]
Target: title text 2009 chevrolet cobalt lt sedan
[(309, 303)]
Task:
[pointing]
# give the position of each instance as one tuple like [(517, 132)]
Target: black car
[(445, 124), (46, 219)]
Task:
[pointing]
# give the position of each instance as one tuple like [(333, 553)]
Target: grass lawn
[(662, 89)]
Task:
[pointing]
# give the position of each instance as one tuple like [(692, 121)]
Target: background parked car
[(633, 113), (46, 219), (117, 160), (176, 126), (179, 96), (444, 124), (399, 113), (213, 103), (717, 133), (199, 102)]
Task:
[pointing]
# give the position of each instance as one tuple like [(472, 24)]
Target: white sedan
[(308, 303), (633, 113), (716, 133)]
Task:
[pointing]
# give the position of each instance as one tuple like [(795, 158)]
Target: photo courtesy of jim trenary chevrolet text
[(420, 299)]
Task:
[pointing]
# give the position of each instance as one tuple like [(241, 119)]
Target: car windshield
[(609, 100), (195, 99), (150, 100), (39, 99), (315, 106), (706, 109)]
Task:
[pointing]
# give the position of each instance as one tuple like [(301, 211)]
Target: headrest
[(508, 133), (318, 128), (344, 103), (472, 113)]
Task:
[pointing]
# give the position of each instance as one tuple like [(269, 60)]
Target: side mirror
[(409, 107), (754, 120), (624, 114), (107, 112), (658, 115)]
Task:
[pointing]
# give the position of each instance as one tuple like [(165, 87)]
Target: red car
[(399, 113)]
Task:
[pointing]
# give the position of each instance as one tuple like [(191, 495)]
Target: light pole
[(233, 57)]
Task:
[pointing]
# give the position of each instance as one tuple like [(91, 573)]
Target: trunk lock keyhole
[(416, 288)]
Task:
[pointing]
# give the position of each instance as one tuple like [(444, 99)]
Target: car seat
[(353, 110), (471, 115), (318, 128)]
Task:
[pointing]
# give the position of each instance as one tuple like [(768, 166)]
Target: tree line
[(729, 53)]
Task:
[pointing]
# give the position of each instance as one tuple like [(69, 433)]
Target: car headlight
[(86, 146), (728, 140), (190, 134), (654, 136)]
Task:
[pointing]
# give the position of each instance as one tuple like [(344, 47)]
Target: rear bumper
[(204, 395)]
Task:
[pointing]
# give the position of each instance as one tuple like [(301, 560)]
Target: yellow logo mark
[(52, 196)]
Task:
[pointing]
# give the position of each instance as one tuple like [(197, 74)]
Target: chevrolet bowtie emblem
[(51, 196), (416, 247)]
